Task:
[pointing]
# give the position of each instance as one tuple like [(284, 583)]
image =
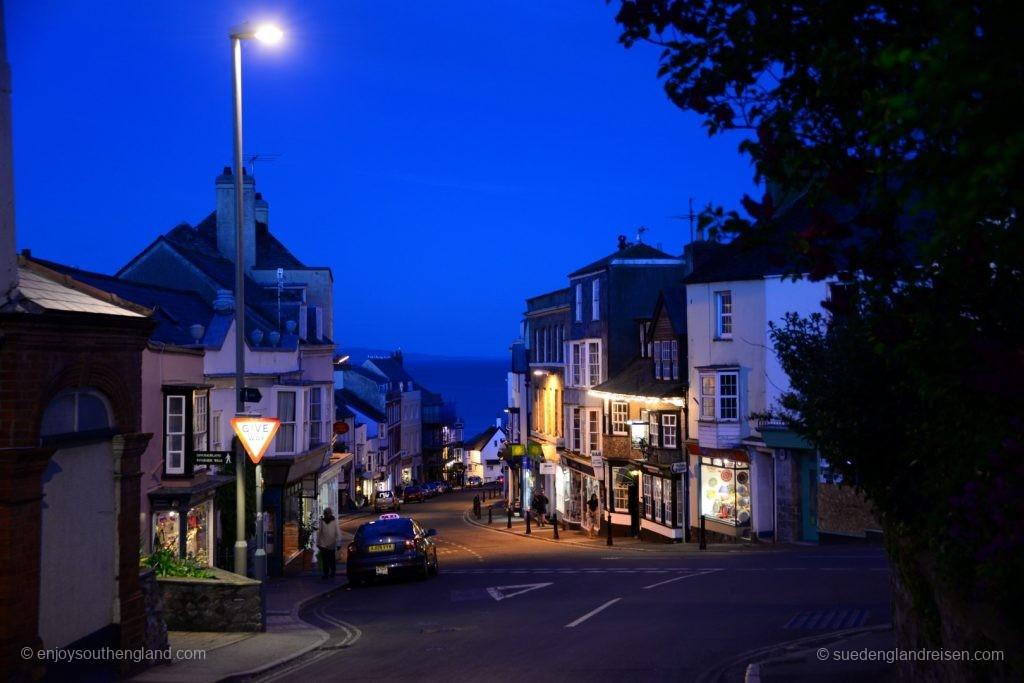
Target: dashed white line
[(679, 578)]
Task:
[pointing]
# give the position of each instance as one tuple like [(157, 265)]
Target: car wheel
[(425, 569), (434, 569), (355, 581)]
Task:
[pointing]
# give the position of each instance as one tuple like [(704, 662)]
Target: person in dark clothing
[(540, 507), (328, 538)]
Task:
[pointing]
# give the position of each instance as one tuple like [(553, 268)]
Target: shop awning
[(184, 497), (578, 465)]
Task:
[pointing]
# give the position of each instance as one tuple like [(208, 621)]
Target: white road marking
[(499, 594), (586, 616), (679, 578)]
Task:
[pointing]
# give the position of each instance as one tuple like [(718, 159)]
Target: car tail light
[(410, 544)]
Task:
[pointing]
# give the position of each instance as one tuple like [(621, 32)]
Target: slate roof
[(632, 252), (174, 311), (637, 379), (43, 289), (673, 303), (348, 398), (478, 442), (391, 369)]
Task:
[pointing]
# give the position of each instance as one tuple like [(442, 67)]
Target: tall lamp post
[(267, 34)]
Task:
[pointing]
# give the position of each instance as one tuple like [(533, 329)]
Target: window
[(577, 437), (723, 315), (621, 481), (594, 362), (284, 442), (666, 359), (76, 411), (201, 421), (579, 302), (723, 404), (669, 430), (652, 423), (215, 434), (585, 363), (314, 412), (174, 435), (593, 431), (620, 417), (595, 301)]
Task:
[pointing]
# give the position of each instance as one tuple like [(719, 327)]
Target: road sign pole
[(259, 564)]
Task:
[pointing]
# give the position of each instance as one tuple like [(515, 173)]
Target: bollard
[(556, 524), (703, 540), (509, 516), (609, 528), (489, 509), (526, 513)]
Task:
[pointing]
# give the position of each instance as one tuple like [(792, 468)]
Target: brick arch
[(105, 377)]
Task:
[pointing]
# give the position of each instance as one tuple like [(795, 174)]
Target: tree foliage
[(897, 126)]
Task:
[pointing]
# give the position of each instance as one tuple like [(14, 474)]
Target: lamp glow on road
[(270, 34)]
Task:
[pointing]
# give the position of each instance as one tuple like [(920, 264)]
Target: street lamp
[(268, 34)]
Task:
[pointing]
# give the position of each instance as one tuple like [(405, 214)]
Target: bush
[(166, 563)]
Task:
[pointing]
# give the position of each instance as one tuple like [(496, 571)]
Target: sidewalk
[(229, 655)]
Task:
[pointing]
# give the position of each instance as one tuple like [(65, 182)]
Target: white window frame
[(174, 433), (715, 404), (584, 362), (593, 431), (723, 314), (576, 430), (314, 416), (595, 300), (284, 441), (653, 430), (200, 423), (620, 417), (669, 430)]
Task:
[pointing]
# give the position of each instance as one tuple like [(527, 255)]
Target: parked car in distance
[(474, 481), (430, 488), (413, 494), (386, 500), (391, 546), (444, 486)]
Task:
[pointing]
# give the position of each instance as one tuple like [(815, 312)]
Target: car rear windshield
[(385, 527)]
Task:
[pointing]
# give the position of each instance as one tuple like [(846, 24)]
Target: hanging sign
[(255, 433)]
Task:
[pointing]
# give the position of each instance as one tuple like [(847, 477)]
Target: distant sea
[(477, 386)]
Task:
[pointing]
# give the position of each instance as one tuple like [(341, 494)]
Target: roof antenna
[(251, 160), (640, 234), (689, 216)]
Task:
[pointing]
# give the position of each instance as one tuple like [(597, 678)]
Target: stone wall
[(842, 510), (156, 627), (228, 602)]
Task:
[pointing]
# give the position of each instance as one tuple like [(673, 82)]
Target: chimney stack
[(262, 210), (226, 217)]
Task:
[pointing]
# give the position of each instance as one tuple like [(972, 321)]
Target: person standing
[(540, 507), (328, 540), (592, 516)]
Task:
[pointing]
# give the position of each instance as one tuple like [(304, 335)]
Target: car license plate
[(382, 570), (382, 548)]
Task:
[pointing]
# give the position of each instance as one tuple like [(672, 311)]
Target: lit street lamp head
[(266, 33)]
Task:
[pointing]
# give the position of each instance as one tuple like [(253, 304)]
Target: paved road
[(514, 609)]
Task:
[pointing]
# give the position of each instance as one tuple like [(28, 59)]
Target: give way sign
[(255, 433)]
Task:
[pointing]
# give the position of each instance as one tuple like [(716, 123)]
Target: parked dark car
[(391, 546), (443, 486), (430, 489), (474, 481), (413, 494)]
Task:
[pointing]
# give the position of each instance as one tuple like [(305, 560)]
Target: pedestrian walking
[(540, 507), (328, 539), (592, 516)]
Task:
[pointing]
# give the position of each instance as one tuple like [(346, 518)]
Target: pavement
[(236, 656)]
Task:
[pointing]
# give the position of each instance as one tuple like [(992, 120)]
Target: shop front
[(725, 494), (576, 486), (290, 488), (663, 510), (183, 518)]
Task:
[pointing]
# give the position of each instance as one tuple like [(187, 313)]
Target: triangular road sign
[(501, 592), (255, 433)]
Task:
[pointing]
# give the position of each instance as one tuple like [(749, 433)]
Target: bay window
[(719, 396)]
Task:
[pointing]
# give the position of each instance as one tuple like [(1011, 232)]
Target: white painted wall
[(77, 578)]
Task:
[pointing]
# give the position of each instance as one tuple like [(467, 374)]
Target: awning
[(577, 465)]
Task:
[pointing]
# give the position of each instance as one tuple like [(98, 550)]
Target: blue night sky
[(446, 160)]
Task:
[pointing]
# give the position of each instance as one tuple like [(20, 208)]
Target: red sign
[(255, 433), (341, 427)]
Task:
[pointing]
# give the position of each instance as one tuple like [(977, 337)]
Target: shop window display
[(725, 490)]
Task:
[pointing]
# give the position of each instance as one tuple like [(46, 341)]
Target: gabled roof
[(391, 369), (672, 302), (632, 252), (637, 381), (480, 441), (174, 311)]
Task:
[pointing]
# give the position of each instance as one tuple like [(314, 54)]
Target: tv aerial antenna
[(688, 216), (253, 158)]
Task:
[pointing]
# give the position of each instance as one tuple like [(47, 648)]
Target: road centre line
[(678, 578), (586, 616)]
